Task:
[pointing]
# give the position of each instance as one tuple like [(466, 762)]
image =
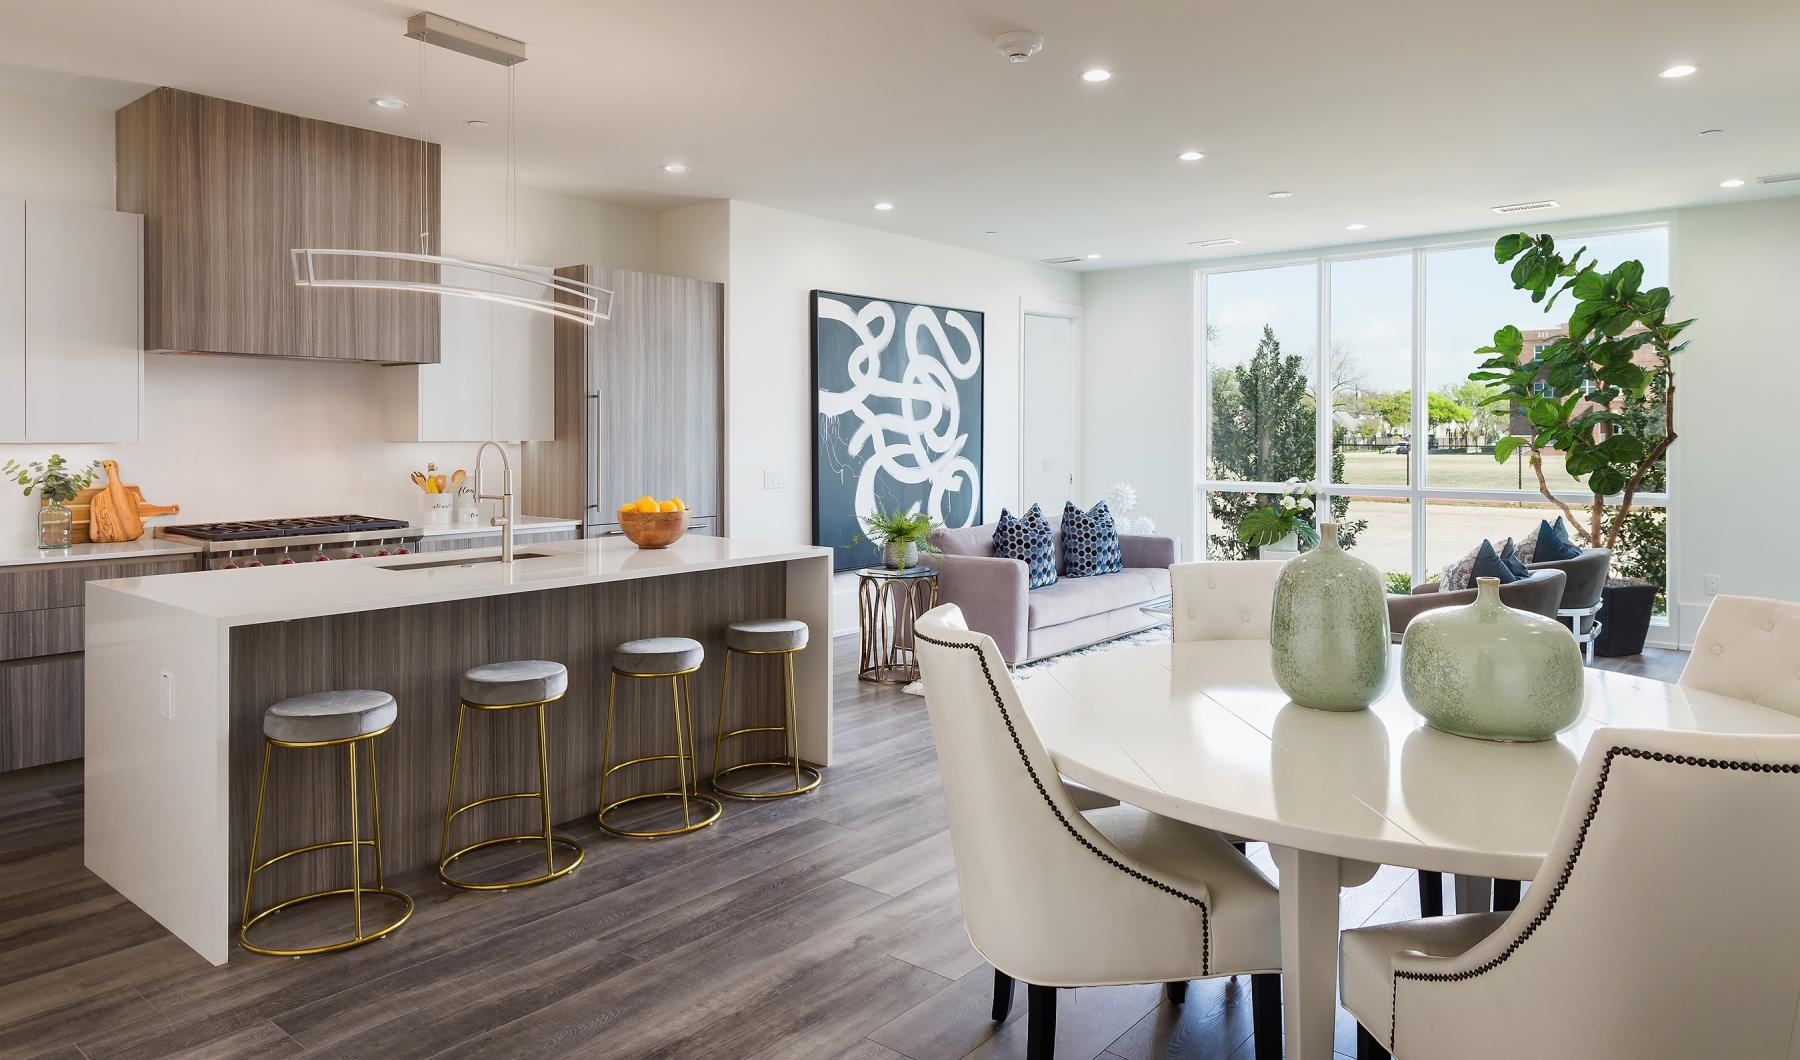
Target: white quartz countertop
[(252, 595), (143, 547), (525, 523)]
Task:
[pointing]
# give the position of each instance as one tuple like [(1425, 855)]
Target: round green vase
[(1491, 672), (1328, 634)]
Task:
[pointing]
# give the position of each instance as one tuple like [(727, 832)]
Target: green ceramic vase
[(1328, 634), (1491, 672)]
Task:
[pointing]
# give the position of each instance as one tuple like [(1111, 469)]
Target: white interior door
[(1049, 428)]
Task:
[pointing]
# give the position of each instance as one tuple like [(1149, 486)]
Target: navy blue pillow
[(1553, 543), (1488, 565), (1090, 541), (1510, 556), (1031, 540)]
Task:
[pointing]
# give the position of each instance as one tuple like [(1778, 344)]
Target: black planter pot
[(1625, 609)]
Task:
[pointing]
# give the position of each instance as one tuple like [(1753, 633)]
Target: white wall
[(237, 437), (777, 258)]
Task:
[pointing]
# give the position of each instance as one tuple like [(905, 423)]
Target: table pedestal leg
[(1309, 937), (1474, 894)]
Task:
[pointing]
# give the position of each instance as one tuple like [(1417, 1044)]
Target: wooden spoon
[(418, 478)]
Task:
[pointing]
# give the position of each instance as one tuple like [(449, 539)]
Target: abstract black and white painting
[(896, 417)]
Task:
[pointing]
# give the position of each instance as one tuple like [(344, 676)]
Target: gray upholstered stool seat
[(503, 684), (658, 656), (766, 634), (321, 716)]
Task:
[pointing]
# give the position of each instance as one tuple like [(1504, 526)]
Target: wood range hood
[(228, 190)]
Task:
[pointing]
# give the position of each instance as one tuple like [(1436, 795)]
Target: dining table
[(1201, 732)]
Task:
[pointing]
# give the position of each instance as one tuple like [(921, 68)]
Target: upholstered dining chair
[(1653, 930), (1058, 898), (1223, 600), (1748, 648)]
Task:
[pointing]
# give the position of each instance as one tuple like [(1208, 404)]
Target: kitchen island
[(180, 668)]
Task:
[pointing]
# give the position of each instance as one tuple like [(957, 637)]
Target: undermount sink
[(429, 563)]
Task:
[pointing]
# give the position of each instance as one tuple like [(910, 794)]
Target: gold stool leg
[(612, 695), (719, 733), (462, 711), (355, 846), (262, 789), (687, 819), (791, 739), (544, 789), (375, 814)]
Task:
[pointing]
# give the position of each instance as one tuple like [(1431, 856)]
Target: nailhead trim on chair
[(1569, 868), (1005, 716)]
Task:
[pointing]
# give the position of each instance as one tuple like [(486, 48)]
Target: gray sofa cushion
[(321, 716), (502, 684), (1074, 598), (766, 634)]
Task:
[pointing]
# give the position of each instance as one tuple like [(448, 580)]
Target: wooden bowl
[(654, 529)]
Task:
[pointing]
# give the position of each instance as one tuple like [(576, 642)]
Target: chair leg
[(1265, 1014), (1003, 995), (1431, 893), (1040, 1036), (1176, 991), (1506, 895), (1367, 1048), (1240, 847)]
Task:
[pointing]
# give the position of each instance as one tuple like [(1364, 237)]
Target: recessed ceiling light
[(1281, 195), (1093, 257), (884, 206), (990, 232), (1732, 183), (476, 123), (1357, 227), (1711, 132), (674, 167), (1190, 156), (1097, 74), (1678, 70), (1227, 242), (389, 102)]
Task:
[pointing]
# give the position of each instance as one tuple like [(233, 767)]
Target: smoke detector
[(1019, 46)]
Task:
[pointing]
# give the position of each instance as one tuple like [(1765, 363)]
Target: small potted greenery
[(1284, 527), (58, 484), (901, 535)]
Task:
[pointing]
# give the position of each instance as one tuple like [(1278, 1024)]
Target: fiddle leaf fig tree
[(1584, 394)]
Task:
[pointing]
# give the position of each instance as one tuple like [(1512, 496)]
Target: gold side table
[(887, 604)]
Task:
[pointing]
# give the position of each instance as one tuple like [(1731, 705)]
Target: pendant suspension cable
[(424, 152), (512, 164)]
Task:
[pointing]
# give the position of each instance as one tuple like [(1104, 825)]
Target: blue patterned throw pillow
[(1031, 540), (1510, 556), (1090, 541), (1553, 542)]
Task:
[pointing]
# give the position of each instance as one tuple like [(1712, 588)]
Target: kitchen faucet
[(504, 519)]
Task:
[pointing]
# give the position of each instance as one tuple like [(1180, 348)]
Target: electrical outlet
[(167, 706), (774, 480), (1710, 585)]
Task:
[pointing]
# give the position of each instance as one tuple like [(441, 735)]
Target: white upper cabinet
[(12, 320), (71, 324), (494, 377)]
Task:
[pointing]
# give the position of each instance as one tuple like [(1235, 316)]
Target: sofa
[(1031, 624)]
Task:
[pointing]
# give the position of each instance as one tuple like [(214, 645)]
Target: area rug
[(1026, 671)]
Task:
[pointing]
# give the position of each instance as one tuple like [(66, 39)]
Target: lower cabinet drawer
[(52, 585), (51, 631), (40, 711)]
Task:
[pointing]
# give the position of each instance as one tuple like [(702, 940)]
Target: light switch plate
[(167, 707), (774, 480), (1710, 584)]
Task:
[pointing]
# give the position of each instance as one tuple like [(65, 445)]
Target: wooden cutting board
[(81, 508)]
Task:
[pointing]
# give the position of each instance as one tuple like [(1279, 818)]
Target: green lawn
[(1453, 470)]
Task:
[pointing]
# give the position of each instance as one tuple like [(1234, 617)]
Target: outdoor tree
[(1396, 408), (1588, 396), (1485, 417), (1263, 420)]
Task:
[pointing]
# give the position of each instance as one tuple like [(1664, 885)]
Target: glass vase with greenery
[(57, 483), (901, 536)]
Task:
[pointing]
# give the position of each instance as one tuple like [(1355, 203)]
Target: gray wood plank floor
[(824, 926)]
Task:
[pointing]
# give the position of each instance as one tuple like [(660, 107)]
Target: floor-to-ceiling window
[(1350, 373)]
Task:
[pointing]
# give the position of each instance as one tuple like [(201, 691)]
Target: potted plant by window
[(901, 536), (1282, 529), (58, 484), (1602, 394)]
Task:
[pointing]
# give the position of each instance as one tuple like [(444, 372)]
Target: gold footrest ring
[(707, 802), (334, 947), (561, 841), (810, 778)]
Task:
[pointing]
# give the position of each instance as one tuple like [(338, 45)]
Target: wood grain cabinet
[(71, 348), (229, 190)]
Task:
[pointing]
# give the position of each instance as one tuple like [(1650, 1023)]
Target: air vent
[(1779, 178), (1059, 261), (1521, 207), (1216, 243)]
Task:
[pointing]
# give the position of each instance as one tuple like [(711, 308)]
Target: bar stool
[(326, 719), (765, 636), (674, 658), (521, 685)]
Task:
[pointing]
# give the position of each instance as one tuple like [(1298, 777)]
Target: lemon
[(647, 503), (668, 506), (628, 507), (677, 502)]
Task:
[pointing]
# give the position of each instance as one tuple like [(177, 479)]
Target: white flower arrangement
[(1124, 499)]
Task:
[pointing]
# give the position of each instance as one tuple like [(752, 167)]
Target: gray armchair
[(1541, 594), (1587, 575)]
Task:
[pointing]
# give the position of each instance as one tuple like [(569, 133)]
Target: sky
[(1467, 297)]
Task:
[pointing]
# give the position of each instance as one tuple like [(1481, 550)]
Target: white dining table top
[(1200, 732)]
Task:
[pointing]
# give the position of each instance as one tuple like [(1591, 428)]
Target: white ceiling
[(1409, 116)]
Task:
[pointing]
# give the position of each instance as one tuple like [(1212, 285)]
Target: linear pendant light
[(557, 296)]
